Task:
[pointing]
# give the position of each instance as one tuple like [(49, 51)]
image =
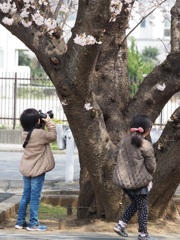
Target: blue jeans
[(31, 194)]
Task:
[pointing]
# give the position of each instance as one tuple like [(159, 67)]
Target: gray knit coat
[(134, 166)]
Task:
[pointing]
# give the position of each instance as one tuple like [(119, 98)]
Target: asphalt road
[(9, 165)]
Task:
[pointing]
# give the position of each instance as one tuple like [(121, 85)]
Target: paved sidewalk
[(80, 236)]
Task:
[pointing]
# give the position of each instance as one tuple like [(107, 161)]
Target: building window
[(22, 58), (167, 26), (1, 58), (143, 23)]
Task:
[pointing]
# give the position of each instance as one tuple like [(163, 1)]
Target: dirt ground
[(71, 224)]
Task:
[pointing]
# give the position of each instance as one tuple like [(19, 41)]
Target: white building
[(10, 47), (153, 31)]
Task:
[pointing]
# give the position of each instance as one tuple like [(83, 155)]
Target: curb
[(18, 148), (9, 207)]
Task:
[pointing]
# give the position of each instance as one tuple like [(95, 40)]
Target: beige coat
[(37, 157), (135, 166)]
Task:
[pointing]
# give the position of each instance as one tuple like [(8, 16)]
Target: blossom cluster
[(116, 7), (27, 18), (84, 39), (88, 106)]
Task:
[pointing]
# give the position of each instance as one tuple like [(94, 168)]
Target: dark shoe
[(20, 226), (120, 230), (147, 237)]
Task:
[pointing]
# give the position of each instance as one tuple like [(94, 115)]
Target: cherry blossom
[(160, 87), (26, 23), (8, 21), (88, 106), (5, 7), (38, 19), (115, 9), (24, 13), (64, 102), (84, 39)]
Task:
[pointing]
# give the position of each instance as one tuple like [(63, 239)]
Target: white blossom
[(160, 87), (5, 7), (128, 1), (115, 9), (159, 146), (170, 120), (64, 102), (41, 2), (45, 3), (88, 106), (26, 23), (13, 8), (24, 13), (8, 21), (50, 24), (81, 40), (85, 40), (38, 19), (28, 1)]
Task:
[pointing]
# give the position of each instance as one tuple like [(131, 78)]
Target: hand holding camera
[(45, 117)]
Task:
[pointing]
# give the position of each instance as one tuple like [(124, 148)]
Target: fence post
[(60, 136), (15, 97), (69, 172)]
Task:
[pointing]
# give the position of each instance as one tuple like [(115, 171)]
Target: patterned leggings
[(140, 205)]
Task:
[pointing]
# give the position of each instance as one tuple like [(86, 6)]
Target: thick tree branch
[(175, 29), (149, 99), (168, 162), (48, 48)]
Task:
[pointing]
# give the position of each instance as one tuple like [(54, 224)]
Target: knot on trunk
[(65, 91), (175, 119), (55, 62)]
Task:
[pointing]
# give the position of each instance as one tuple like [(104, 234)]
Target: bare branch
[(141, 21), (57, 8), (164, 45)]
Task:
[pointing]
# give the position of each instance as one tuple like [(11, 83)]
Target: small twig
[(57, 8), (164, 45), (140, 22), (70, 6)]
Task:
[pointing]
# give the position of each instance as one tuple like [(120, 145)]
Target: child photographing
[(133, 173), (37, 159)]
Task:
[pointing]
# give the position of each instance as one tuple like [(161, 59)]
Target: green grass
[(48, 211)]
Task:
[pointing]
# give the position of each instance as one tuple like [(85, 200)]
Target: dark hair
[(29, 118), (145, 123)]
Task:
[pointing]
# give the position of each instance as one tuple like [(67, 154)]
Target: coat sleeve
[(149, 158), (49, 135)]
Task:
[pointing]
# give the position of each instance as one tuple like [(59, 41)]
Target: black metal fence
[(18, 93)]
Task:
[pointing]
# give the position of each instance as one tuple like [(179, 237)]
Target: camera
[(44, 115)]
